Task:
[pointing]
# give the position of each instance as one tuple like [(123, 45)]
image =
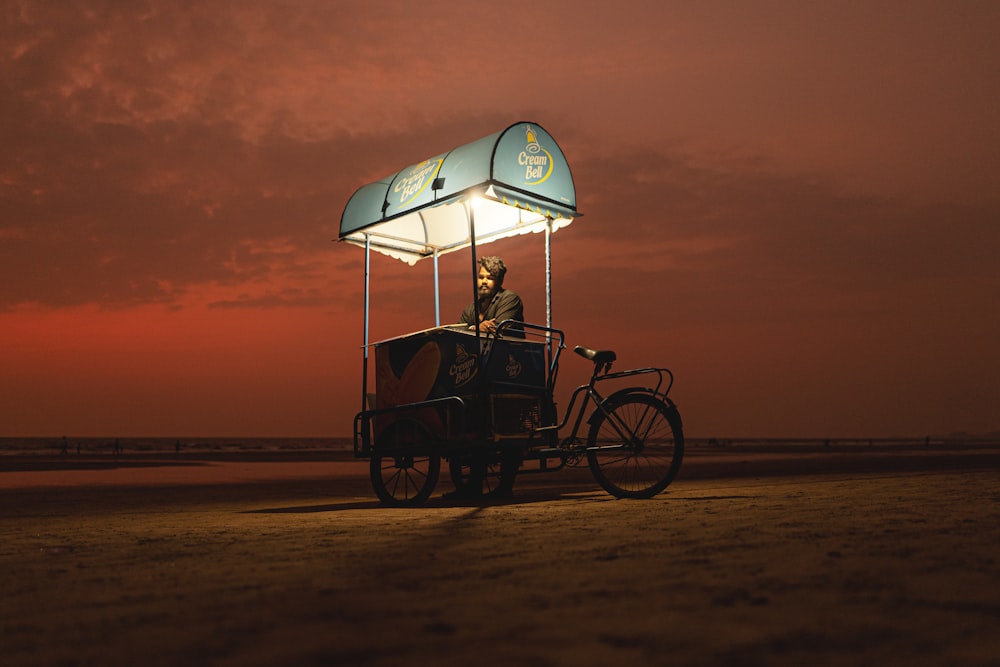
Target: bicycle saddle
[(599, 357)]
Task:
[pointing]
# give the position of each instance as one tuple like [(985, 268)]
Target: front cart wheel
[(404, 464), (636, 449)]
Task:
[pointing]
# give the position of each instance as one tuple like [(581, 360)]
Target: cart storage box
[(448, 361)]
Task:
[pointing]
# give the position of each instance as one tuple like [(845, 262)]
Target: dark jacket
[(505, 305)]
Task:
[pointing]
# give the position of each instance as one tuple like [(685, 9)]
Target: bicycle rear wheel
[(635, 450)]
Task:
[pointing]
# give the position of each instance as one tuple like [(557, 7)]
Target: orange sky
[(793, 205)]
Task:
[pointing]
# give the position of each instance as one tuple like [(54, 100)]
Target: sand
[(749, 558)]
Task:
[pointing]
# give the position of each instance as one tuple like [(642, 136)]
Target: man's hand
[(486, 326)]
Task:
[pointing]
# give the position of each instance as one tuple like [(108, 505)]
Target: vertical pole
[(437, 292), (548, 291), (364, 354), (481, 426), (472, 244), (548, 272)]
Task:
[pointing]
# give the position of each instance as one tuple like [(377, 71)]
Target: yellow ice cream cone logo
[(537, 161), (532, 140)]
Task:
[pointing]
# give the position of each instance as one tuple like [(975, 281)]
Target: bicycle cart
[(484, 404)]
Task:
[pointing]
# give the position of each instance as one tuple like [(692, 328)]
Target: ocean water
[(190, 445), (206, 446)]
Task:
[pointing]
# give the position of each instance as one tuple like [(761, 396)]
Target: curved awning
[(512, 182)]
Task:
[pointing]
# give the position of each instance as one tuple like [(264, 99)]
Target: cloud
[(149, 148), (746, 238), (118, 211), (286, 298)]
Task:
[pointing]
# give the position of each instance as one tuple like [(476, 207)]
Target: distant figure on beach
[(496, 304), (65, 446), (118, 447), (177, 447)]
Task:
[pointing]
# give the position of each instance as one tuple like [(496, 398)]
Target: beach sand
[(749, 558)]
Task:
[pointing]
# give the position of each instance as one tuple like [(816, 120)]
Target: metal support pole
[(481, 382), (475, 262), (364, 347), (548, 287), (437, 292), (548, 272)]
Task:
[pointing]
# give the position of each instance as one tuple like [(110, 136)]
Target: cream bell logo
[(416, 180), (464, 368), (537, 161), (513, 367)]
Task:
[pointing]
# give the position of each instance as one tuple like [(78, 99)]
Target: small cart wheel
[(635, 450), (489, 474), (405, 464)]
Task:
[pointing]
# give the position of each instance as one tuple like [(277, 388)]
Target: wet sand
[(749, 558)]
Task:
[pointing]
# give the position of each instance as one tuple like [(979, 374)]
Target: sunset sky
[(793, 205)]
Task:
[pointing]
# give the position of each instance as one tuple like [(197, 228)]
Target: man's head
[(491, 273)]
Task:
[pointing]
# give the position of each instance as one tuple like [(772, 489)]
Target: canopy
[(512, 182)]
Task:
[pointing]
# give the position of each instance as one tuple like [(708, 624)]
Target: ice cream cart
[(483, 402)]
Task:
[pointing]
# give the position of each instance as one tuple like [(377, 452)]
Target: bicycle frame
[(590, 393), (589, 390)]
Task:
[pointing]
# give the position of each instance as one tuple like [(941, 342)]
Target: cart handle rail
[(363, 420)]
